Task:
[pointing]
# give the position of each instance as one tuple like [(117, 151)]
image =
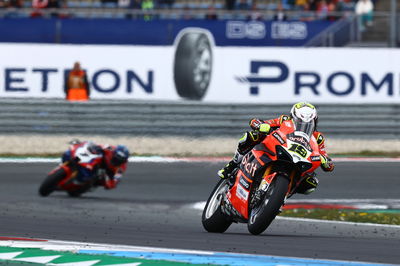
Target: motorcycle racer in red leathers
[(111, 166), (301, 111)]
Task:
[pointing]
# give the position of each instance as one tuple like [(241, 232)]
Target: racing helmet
[(120, 155), (304, 117)]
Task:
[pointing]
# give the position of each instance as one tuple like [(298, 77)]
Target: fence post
[(58, 31), (331, 39), (358, 23), (393, 24), (352, 31)]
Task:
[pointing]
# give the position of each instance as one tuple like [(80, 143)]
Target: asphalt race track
[(152, 208)]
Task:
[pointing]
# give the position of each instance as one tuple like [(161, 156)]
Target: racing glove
[(110, 183), (259, 125), (327, 164)]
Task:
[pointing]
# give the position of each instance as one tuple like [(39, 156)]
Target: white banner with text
[(194, 69)]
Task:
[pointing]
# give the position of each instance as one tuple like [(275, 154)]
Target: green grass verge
[(358, 216)]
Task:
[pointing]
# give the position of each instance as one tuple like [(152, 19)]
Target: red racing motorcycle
[(79, 172), (268, 175)]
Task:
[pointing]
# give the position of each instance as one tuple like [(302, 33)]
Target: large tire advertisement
[(193, 65)]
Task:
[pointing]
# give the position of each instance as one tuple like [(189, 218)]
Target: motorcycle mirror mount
[(74, 141)]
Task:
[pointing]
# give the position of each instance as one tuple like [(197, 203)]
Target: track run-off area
[(153, 215)]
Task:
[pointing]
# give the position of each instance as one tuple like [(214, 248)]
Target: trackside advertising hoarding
[(320, 75), (194, 69), (114, 72)]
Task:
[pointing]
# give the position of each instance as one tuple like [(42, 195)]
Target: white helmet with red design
[(304, 117)]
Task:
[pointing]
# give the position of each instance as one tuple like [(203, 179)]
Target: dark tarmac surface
[(152, 208)]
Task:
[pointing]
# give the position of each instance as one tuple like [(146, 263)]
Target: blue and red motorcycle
[(79, 172)]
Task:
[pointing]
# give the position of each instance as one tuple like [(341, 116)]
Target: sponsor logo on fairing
[(315, 158), (242, 193), (249, 167), (300, 140), (278, 137), (302, 134), (244, 182)]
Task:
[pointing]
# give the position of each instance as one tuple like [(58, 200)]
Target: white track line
[(161, 159), (73, 246), (57, 245), (200, 206)]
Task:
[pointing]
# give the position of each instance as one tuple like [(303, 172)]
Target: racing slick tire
[(213, 219), (78, 192), (193, 65), (74, 194), (262, 215), (51, 182)]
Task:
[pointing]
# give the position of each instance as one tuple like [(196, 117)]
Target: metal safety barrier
[(143, 118)]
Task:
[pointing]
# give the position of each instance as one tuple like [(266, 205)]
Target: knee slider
[(247, 142)]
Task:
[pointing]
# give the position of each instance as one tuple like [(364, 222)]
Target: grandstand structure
[(347, 32), (107, 8)]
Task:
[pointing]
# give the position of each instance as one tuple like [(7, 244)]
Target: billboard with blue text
[(195, 69)]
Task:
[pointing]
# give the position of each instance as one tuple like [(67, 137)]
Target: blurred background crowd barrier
[(197, 67), (189, 119), (329, 22)]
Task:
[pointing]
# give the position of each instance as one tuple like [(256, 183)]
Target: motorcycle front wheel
[(262, 215), (78, 192), (51, 182), (213, 219)]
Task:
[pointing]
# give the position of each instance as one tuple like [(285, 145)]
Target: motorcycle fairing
[(80, 164), (85, 155), (84, 174), (300, 151), (238, 194)]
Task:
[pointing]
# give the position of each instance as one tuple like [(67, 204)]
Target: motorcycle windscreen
[(305, 129)]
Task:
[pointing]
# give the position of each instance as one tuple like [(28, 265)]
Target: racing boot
[(227, 171), (308, 185)]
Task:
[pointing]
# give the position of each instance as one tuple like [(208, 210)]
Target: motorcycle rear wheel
[(78, 192), (74, 194), (51, 182), (214, 221), (262, 215)]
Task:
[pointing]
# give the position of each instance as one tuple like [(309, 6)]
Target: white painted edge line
[(136, 159), (198, 205), (162, 159), (359, 203), (201, 205), (71, 246), (30, 160), (58, 160)]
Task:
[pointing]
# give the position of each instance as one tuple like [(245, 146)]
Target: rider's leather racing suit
[(254, 137), (114, 173)]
